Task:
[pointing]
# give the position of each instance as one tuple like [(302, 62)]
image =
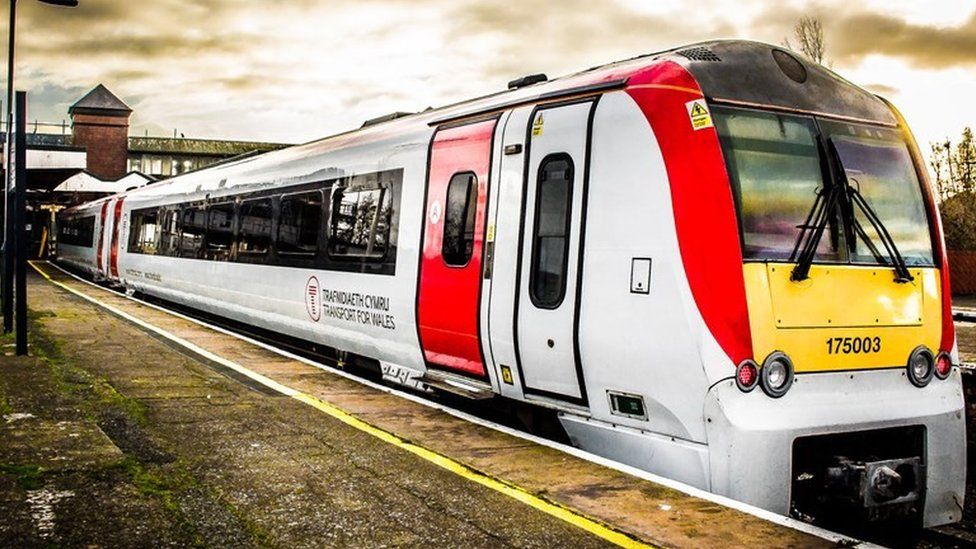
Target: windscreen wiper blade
[(820, 213), (902, 274)]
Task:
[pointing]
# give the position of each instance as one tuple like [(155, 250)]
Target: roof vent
[(527, 81), (385, 118), (699, 53)]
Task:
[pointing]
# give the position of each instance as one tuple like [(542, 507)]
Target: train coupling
[(883, 489)]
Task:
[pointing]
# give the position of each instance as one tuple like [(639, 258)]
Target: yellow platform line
[(561, 512)]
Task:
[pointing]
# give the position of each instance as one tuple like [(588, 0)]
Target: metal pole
[(7, 278), (21, 226)]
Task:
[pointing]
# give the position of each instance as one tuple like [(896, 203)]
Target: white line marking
[(571, 450)]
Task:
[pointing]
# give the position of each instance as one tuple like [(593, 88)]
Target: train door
[(550, 247), (449, 293), (102, 232), (116, 230)]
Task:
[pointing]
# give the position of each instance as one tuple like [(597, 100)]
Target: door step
[(457, 385)]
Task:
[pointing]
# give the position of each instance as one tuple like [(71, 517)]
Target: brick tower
[(100, 124)]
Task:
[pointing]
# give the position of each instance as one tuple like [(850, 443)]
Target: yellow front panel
[(849, 318)]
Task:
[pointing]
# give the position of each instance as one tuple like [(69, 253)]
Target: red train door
[(448, 298), (99, 266), (116, 226)]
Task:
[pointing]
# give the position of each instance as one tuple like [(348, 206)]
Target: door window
[(459, 219), (550, 236)]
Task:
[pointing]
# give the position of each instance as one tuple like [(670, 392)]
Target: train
[(633, 249)]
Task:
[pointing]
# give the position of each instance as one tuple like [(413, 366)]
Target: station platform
[(131, 425)]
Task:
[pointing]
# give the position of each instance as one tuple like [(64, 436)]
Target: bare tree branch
[(809, 35)]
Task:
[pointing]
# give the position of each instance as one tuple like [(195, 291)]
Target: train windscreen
[(779, 164)]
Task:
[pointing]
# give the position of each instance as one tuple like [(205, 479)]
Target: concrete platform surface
[(181, 453)]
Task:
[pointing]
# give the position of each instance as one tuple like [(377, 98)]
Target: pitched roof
[(101, 100)]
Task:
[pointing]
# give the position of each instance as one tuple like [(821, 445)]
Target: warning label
[(537, 125), (699, 115)]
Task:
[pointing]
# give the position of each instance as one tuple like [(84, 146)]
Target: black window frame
[(388, 180), (169, 240), (567, 225), (78, 231), (198, 252), (137, 218), (276, 224), (352, 186), (250, 256), (472, 187), (208, 251)]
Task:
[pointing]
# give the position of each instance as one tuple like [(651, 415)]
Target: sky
[(296, 70)]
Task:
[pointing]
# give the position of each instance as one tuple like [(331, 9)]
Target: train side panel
[(367, 314)]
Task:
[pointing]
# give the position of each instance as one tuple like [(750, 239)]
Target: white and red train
[(635, 247)]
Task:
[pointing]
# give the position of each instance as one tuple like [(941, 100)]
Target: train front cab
[(858, 415)]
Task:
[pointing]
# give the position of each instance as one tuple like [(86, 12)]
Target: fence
[(962, 272)]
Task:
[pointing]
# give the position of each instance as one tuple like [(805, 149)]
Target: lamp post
[(6, 281)]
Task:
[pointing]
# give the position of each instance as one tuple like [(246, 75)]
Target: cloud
[(299, 69), (921, 45), (852, 33)]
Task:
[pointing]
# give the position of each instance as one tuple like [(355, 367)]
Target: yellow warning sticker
[(699, 115), (491, 233), (537, 125), (507, 375)]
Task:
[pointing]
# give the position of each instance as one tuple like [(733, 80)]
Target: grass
[(71, 379), (29, 477)]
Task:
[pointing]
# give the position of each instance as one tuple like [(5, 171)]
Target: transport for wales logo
[(313, 298)]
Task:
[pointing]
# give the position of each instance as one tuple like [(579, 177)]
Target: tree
[(955, 177), (809, 35), (955, 165)]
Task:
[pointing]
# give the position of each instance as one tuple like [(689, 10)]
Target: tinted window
[(144, 234), (360, 224), (77, 231), (169, 242), (192, 229), (459, 219), (255, 232), (550, 241), (220, 231), (299, 222)]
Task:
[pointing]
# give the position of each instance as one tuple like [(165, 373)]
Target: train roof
[(734, 72)]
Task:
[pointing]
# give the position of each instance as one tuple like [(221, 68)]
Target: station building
[(97, 156)]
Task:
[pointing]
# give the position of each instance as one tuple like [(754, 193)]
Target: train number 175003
[(853, 345)]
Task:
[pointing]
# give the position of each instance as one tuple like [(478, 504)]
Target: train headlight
[(776, 375), (921, 366), (747, 376), (943, 365)]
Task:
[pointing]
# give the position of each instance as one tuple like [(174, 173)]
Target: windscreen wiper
[(805, 249), (902, 274)]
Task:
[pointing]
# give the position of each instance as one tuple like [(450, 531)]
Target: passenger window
[(255, 232), (550, 241), (460, 211), (192, 229), (77, 232), (144, 232), (220, 231), (170, 232), (360, 224), (299, 222)]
